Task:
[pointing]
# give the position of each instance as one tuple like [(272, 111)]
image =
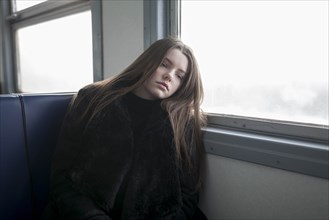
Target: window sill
[(300, 156)]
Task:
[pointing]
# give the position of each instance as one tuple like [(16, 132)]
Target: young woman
[(131, 146)]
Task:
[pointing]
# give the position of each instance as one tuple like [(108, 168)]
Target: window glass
[(23, 4), (264, 59), (56, 56)]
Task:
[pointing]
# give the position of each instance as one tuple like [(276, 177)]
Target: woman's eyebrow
[(171, 63)]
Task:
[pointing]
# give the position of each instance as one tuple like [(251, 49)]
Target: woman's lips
[(164, 84)]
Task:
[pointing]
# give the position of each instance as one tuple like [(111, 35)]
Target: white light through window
[(264, 59), (23, 4), (56, 56)]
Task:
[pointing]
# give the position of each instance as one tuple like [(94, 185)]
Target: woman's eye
[(164, 64), (179, 76)]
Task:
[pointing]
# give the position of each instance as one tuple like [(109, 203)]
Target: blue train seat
[(29, 127), (15, 188)]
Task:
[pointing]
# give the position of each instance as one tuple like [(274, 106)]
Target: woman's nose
[(167, 76)]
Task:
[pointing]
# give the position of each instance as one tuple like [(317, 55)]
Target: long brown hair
[(183, 106)]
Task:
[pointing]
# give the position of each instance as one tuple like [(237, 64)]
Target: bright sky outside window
[(23, 4), (56, 56), (263, 59)]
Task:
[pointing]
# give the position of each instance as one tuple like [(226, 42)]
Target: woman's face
[(166, 79)]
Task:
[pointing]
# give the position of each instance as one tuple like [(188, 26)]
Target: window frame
[(45, 11), (161, 19), (287, 145), (287, 129)]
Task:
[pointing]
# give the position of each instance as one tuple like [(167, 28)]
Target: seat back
[(43, 115), (15, 182), (29, 127)]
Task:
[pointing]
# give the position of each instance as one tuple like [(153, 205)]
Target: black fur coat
[(91, 166)]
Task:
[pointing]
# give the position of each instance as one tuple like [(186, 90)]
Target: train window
[(55, 55), (51, 46), (23, 4), (261, 60)]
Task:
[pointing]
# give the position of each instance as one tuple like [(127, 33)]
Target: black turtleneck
[(139, 110)]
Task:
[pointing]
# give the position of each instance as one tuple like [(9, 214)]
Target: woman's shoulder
[(89, 89), (85, 95)]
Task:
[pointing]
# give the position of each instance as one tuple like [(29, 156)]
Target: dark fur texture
[(91, 166)]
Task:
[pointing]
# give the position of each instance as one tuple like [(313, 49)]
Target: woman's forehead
[(175, 57)]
